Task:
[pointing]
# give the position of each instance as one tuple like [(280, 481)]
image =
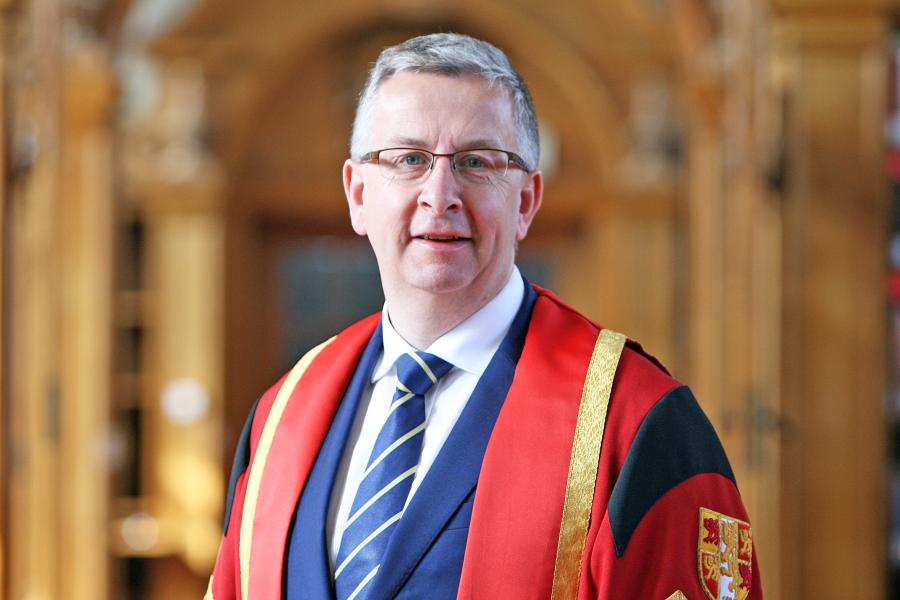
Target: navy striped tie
[(388, 477)]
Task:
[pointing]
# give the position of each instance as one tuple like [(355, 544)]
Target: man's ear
[(530, 198), (353, 190)]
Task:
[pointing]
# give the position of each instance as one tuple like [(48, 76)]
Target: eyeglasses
[(477, 166)]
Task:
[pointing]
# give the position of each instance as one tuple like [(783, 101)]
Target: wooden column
[(86, 259), (33, 301), (835, 222), (183, 422)]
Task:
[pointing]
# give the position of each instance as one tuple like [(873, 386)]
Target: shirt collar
[(468, 346)]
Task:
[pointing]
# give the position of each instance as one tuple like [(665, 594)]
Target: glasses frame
[(512, 159)]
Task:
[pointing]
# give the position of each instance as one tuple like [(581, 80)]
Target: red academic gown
[(667, 515)]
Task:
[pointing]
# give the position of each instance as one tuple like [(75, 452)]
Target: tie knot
[(418, 371)]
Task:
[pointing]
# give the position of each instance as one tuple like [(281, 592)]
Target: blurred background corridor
[(723, 184)]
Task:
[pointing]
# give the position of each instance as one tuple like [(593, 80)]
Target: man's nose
[(440, 190)]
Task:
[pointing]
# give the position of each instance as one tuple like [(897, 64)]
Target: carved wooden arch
[(550, 54)]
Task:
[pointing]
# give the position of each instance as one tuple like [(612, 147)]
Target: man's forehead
[(412, 108)]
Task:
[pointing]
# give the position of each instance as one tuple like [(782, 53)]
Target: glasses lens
[(481, 166), (404, 164)]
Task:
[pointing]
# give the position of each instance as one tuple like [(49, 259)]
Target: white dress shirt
[(469, 347)]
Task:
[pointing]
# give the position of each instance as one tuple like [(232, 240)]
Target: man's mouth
[(441, 238)]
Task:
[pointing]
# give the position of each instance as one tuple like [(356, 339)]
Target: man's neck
[(422, 317)]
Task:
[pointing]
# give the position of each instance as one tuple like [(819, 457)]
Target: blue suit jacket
[(425, 555)]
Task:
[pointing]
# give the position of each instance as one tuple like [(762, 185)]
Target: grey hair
[(455, 55)]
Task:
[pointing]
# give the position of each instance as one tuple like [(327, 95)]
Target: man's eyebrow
[(407, 141), (480, 143)]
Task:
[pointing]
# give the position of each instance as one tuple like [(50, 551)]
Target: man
[(470, 441)]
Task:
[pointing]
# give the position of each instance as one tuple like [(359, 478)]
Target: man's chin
[(442, 286), (442, 280)]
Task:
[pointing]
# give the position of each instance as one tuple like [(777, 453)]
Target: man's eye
[(412, 160), (472, 161)]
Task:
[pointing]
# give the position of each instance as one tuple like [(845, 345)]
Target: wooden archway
[(538, 48)]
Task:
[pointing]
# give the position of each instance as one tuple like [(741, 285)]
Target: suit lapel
[(308, 569), (454, 473)]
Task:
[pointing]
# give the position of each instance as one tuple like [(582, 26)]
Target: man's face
[(442, 235)]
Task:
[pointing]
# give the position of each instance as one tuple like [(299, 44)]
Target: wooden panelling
[(732, 283), (835, 224)]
